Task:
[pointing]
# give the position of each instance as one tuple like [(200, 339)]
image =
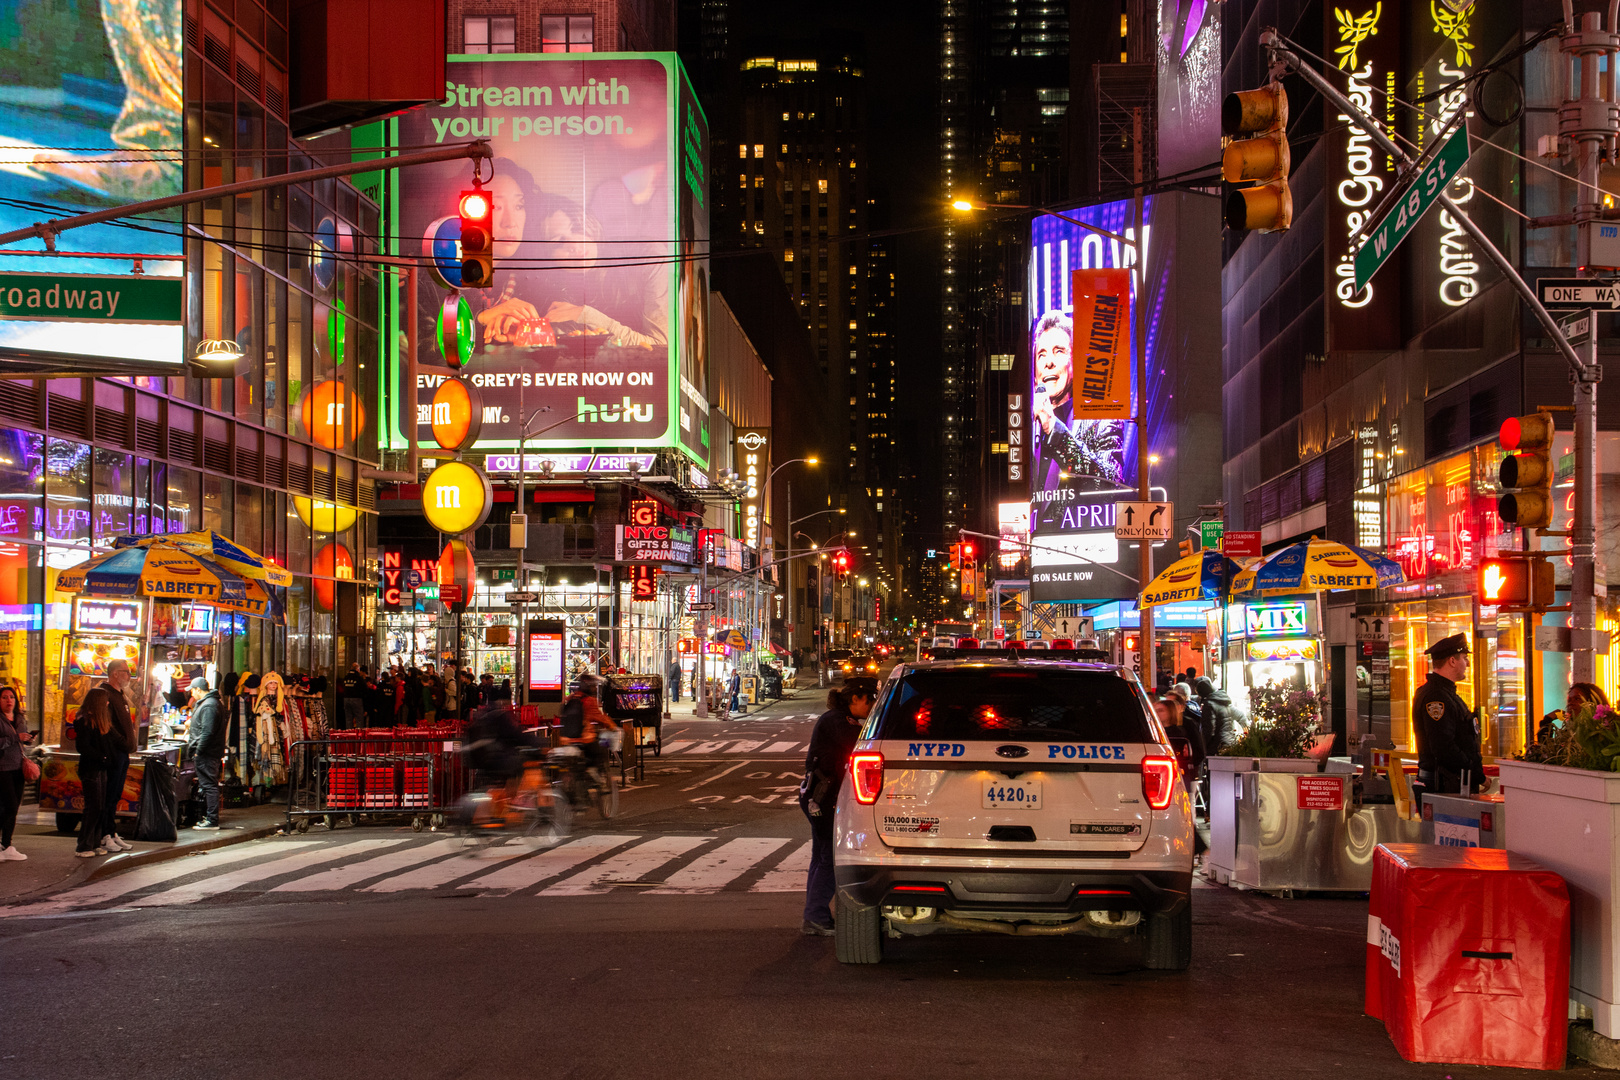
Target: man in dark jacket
[(352, 690), (1220, 718), (1447, 729), (831, 742), (205, 745)]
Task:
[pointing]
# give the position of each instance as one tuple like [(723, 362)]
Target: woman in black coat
[(832, 740)]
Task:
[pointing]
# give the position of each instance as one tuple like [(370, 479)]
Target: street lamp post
[(766, 619)]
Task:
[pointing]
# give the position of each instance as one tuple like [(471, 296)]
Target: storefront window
[(217, 505), (67, 492), (297, 541), (21, 623), (249, 528), (184, 501), (22, 485), (114, 505)]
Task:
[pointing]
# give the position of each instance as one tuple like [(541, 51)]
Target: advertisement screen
[(1082, 450), (103, 81), (545, 661), (590, 306)]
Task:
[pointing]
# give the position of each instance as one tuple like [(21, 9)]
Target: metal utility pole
[(1144, 571), (1591, 121), (1588, 118)]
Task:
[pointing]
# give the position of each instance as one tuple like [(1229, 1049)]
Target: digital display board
[(546, 653), (94, 83), (598, 310)]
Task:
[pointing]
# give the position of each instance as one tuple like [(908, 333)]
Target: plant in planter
[(1588, 739), (1283, 724)]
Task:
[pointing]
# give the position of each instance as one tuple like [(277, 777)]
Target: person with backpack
[(583, 720)]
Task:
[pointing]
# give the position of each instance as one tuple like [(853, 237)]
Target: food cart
[(637, 700), (155, 602)]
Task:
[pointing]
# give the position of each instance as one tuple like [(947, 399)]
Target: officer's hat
[(1447, 647)]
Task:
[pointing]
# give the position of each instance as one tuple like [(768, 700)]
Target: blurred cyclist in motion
[(583, 720), (493, 744)]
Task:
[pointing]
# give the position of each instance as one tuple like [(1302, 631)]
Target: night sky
[(897, 42)]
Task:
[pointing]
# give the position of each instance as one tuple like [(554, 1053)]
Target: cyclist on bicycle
[(583, 720), (493, 744)]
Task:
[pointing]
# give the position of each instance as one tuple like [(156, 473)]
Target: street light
[(965, 206), (812, 461)]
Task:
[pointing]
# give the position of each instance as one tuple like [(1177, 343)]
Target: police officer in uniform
[(1447, 729)]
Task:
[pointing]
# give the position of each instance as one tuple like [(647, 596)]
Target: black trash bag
[(159, 807)]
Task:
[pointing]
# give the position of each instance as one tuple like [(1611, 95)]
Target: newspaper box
[(1468, 956)]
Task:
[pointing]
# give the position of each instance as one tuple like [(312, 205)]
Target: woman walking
[(14, 735), (96, 744), (832, 740)]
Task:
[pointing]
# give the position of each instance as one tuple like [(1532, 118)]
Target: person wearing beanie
[(1193, 711), (205, 744)]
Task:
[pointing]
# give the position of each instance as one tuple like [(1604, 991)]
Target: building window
[(567, 33), (759, 150), (489, 34)]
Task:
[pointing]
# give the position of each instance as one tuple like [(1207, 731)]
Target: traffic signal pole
[(1586, 121)]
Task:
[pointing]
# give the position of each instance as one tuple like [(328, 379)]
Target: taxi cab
[(1018, 796)]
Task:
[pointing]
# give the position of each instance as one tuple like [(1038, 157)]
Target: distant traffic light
[(1516, 584), (1188, 547), (967, 552), (1526, 471), (477, 239), (1262, 160), (956, 556)]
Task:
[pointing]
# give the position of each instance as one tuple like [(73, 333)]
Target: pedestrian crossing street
[(588, 864)]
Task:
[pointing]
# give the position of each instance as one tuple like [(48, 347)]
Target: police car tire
[(857, 933), (1169, 940)]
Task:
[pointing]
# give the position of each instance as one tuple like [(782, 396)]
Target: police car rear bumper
[(1048, 891)]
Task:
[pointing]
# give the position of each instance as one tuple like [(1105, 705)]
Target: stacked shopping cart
[(414, 771)]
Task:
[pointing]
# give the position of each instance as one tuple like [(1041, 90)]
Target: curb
[(1592, 1048), (108, 868)]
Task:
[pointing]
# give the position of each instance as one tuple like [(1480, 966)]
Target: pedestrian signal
[(1516, 584), (477, 239), (1526, 471), (1261, 161)]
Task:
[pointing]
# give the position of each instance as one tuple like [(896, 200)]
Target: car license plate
[(1014, 794)]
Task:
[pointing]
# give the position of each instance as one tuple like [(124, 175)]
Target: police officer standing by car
[(1447, 729), (832, 740)]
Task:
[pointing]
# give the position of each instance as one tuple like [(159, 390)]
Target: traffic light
[(1261, 160), (841, 562), (967, 553), (1526, 471), (956, 556), (1516, 584), (1188, 548), (477, 239)]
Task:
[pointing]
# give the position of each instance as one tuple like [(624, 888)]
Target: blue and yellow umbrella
[(1204, 576), (215, 548), (1318, 566), (170, 574)]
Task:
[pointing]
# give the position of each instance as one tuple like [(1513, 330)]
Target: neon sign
[(1358, 191), (110, 616)]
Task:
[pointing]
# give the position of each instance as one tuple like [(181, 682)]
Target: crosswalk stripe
[(145, 877), (431, 876), (550, 864), (678, 745), (341, 877), (781, 747), (789, 874), (627, 866), (718, 868), (707, 747), (199, 890), (747, 746)]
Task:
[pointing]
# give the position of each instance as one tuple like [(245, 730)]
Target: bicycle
[(583, 781), (533, 806)]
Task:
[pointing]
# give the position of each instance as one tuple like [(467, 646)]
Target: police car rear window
[(976, 703)]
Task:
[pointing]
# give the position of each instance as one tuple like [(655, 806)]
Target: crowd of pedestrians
[(410, 696)]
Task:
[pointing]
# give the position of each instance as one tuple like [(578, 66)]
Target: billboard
[(597, 314), (103, 81), (1082, 446)]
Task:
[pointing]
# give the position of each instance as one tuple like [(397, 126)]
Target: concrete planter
[(1568, 820)]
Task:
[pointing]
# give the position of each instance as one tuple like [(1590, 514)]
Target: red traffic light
[(475, 205), (967, 550)]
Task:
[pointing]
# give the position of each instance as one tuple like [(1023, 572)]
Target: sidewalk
[(51, 864), (807, 699)]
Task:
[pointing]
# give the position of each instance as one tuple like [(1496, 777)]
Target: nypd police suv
[(1019, 797)]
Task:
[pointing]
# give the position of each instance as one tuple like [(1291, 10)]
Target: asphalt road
[(323, 956)]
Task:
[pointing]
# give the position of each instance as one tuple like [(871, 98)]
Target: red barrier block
[(1468, 956)]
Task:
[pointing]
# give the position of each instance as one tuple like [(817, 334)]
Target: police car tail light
[(1158, 781), (866, 769)]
